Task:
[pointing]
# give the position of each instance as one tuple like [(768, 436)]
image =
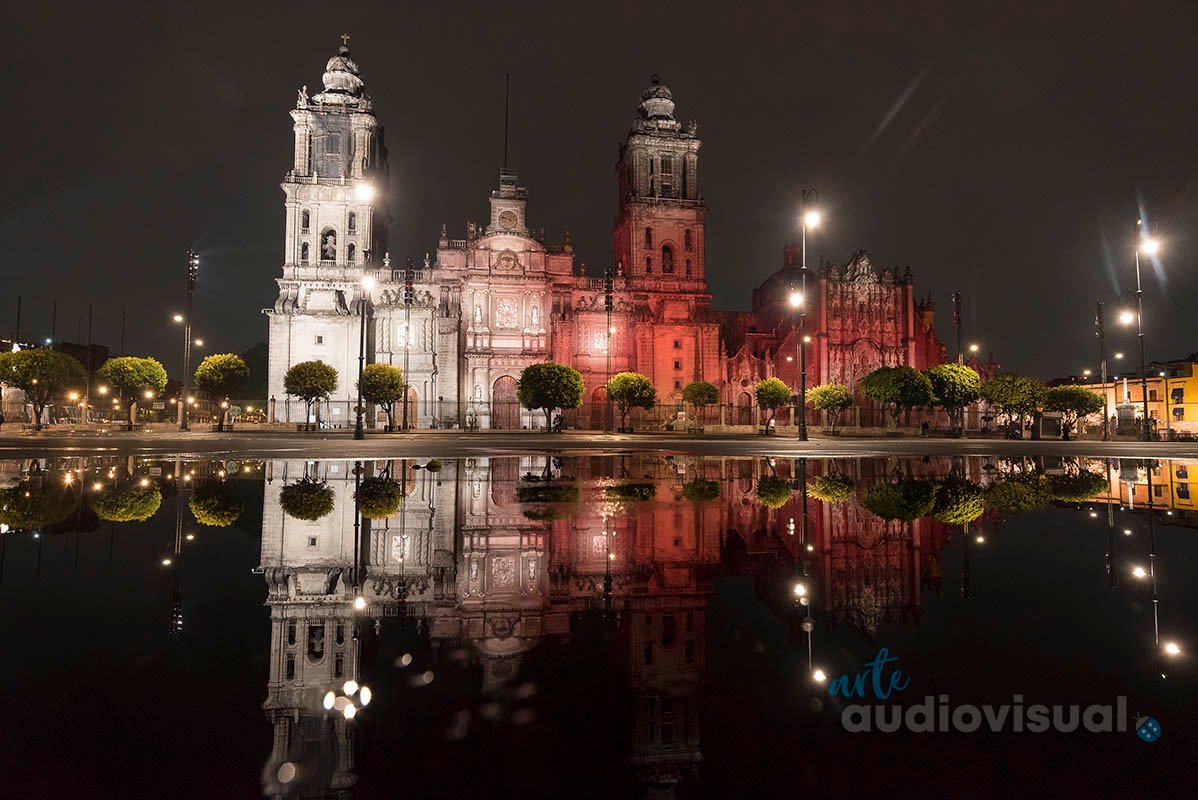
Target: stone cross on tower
[(345, 39)]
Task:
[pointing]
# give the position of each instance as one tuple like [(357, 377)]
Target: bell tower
[(658, 234)]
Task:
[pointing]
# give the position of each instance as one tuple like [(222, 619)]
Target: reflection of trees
[(701, 491), (958, 501), (307, 499), (37, 502), (906, 500), (127, 502), (1019, 493), (215, 505), (379, 497), (832, 488), (774, 492), (1078, 487)]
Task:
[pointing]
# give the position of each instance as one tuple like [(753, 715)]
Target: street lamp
[(811, 218), (973, 348), (193, 269), (367, 285), (1150, 246)]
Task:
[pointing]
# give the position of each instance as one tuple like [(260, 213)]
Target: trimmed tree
[(548, 386), (701, 491), (955, 386), (700, 394), (311, 381), (897, 389), (832, 399), (215, 505), (629, 390), (382, 384), (34, 504), (41, 374), (906, 500), (1015, 396), (958, 501), (131, 377), (220, 374), (1073, 403), (832, 488), (379, 497), (772, 394), (1018, 493)]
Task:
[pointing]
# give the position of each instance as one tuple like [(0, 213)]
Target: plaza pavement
[(341, 445)]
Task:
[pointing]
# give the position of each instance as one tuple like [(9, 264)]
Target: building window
[(1152, 394), (677, 365), (677, 384), (332, 144), (667, 166), (338, 666), (305, 221), (319, 338), (688, 240), (312, 539), (648, 265), (352, 222), (648, 237), (688, 268), (304, 253), (291, 634), (677, 344), (290, 668), (667, 259), (351, 253)]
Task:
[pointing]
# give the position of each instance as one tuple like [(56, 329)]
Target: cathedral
[(463, 324)]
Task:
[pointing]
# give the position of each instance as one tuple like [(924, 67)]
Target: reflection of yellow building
[(1174, 485), (1172, 394)]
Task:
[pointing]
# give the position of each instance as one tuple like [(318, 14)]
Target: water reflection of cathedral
[(488, 562)]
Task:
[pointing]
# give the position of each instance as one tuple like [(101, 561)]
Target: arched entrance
[(413, 415), (505, 405), (598, 408), (744, 409)]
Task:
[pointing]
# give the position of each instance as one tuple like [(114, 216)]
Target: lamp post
[(367, 285), (409, 295), (1150, 246), (1099, 332), (810, 218), (193, 269), (957, 325), (608, 304)]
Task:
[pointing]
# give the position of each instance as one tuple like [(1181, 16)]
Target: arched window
[(352, 222), (305, 221), (328, 245), (667, 260), (688, 240), (648, 264), (648, 237), (351, 253), (304, 253), (688, 268)]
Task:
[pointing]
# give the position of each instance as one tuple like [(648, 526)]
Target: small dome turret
[(657, 102), (341, 77)]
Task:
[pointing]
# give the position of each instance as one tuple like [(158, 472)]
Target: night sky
[(998, 148)]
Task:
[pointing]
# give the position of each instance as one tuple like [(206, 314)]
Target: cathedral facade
[(465, 323)]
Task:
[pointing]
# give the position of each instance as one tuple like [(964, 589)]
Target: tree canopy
[(700, 394), (383, 385), (41, 374), (1073, 403), (1013, 394), (832, 488), (701, 491), (954, 386), (222, 373), (310, 381), (1077, 488), (772, 394), (548, 386), (630, 390), (958, 501), (898, 389), (1018, 493), (132, 375), (906, 500), (832, 399)]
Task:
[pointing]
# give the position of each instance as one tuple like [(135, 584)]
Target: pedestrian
[(923, 429)]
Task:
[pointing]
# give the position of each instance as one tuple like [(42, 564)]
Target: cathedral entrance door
[(598, 409), (505, 406), (744, 409)]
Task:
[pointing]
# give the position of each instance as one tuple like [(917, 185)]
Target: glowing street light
[(1150, 246), (800, 590), (1127, 317), (819, 676), (796, 299), (811, 218), (1086, 373), (178, 318), (1172, 648), (1140, 572), (359, 603), (973, 348), (364, 192), (1118, 355)]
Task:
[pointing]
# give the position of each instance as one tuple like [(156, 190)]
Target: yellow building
[(1172, 395), (1174, 485)]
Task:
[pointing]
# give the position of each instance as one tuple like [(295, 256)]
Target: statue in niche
[(328, 246), (534, 316), (478, 393), (478, 314)]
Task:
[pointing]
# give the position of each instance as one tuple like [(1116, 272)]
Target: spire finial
[(507, 95), (345, 40)]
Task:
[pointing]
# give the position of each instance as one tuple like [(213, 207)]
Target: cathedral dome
[(657, 102), (341, 76)]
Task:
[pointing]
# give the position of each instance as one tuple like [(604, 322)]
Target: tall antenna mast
[(507, 93)]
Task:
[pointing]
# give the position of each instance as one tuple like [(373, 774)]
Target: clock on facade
[(507, 219)]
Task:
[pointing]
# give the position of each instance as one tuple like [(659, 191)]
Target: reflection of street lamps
[(811, 218)]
